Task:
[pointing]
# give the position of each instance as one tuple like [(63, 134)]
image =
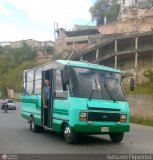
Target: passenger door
[(48, 74), (60, 102)]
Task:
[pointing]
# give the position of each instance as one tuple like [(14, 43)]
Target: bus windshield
[(96, 84)]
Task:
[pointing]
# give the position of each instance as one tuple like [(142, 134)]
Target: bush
[(148, 74)]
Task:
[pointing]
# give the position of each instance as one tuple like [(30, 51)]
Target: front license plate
[(104, 129)]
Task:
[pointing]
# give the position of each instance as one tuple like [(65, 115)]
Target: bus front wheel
[(70, 136), (116, 137)]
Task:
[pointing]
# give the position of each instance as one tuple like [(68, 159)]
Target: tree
[(12, 63), (49, 50), (104, 8), (148, 74)]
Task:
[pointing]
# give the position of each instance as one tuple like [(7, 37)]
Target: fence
[(141, 106)]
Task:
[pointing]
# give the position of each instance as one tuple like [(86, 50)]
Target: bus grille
[(103, 117)]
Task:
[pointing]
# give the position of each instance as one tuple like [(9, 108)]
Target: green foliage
[(49, 50), (147, 122), (12, 64), (144, 86), (12, 79), (12, 57), (148, 74), (139, 90), (103, 8)]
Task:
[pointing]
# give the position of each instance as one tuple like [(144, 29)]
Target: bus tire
[(34, 127), (70, 136), (116, 137)]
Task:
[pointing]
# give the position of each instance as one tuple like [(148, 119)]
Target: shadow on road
[(83, 139)]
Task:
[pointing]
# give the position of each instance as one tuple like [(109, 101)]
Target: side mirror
[(132, 84), (65, 77), (61, 94)]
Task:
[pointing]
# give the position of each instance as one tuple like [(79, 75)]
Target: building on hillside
[(20, 43), (30, 42), (133, 5), (6, 43), (43, 48), (17, 44), (132, 53), (75, 40), (141, 22), (47, 43), (127, 3), (124, 44)]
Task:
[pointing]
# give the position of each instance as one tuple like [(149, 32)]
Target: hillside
[(12, 63)]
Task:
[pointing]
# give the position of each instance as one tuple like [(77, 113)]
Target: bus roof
[(84, 64), (81, 64)]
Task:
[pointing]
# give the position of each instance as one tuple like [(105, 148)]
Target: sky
[(34, 19)]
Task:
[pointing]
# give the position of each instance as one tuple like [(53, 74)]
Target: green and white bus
[(85, 99)]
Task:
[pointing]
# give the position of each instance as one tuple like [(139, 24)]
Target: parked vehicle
[(10, 104), (85, 99)]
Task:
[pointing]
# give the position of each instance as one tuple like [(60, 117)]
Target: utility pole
[(136, 56), (116, 55)]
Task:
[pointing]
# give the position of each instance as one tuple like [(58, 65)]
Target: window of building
[(69, 43), (81, 42)]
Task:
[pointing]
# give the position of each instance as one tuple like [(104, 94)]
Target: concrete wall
[(144, 61), (68, 44), (128, 25), (141, 106)]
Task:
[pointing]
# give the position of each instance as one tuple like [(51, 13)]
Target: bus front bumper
[(100, 129)]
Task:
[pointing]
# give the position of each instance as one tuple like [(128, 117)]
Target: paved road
[(15, 137)]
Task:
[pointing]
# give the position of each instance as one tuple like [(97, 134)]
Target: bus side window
[(37, 87), (30, 82), (24, 83), (59, 85), (29, 89), (38, 81)]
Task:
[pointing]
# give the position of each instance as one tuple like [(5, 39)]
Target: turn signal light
[(83, 116), (123, 118)]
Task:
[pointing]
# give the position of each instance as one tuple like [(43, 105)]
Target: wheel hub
[(67, 132), (32, 124)]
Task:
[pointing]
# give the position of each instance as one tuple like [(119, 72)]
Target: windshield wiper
[(90, 97), (109, 93), (93, 89)]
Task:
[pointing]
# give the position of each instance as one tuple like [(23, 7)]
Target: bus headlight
[(83, 116), (123, 118)]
